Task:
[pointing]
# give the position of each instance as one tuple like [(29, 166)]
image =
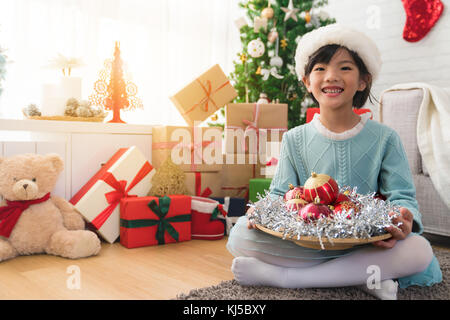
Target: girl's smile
[(332, 91)]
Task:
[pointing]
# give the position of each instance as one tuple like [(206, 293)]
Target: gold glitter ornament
[(267, 12)]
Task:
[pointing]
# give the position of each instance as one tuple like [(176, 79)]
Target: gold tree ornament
[(113, 91), (307, 17), (267, 12)]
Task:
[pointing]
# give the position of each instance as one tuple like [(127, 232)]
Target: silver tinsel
[(370, 221)]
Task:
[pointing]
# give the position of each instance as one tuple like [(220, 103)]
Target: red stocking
[(421, 16)]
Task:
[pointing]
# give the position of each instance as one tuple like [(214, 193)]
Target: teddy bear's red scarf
[(12, 212)]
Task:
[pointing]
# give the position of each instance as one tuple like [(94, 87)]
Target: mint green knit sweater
[(372, 160)]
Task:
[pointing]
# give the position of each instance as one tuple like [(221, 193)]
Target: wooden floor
[(156, 272)]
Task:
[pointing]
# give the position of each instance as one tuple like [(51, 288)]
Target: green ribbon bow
[(217, 210), (164, 224)]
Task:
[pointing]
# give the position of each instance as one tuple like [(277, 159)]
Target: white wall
[(427, 60)]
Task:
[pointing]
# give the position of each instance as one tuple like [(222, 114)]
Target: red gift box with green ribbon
[(148, 221)]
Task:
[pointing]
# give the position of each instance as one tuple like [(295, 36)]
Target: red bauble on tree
[(322, 186)]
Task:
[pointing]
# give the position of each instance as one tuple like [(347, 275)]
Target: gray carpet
[(231, 290)]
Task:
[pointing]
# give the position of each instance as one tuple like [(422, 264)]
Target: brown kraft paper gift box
[(204, 184), (254, 124), (237, 170), (204, 96), (192, 148)]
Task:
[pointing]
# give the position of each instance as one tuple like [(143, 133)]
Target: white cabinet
[(83, 146)]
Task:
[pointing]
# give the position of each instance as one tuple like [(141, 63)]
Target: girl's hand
[(250, 224), (406, 218)]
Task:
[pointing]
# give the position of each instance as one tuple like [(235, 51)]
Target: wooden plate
[(314, 243)]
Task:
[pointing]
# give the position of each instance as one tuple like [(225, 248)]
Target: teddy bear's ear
[(56, 160)]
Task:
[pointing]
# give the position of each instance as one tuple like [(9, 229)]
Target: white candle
[(52, 103), (71, 87)]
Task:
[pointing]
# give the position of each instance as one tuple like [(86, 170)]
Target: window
[(164, 44)]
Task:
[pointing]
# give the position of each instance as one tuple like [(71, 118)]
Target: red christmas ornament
[(346, 205), (322, 186), (421, 16), (293, 193), (341, 198), (295, 204), (313, 211)]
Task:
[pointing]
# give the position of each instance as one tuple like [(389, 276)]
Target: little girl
[(337, 66)]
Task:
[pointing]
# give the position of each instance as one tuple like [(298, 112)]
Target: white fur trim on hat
[(341, 35)]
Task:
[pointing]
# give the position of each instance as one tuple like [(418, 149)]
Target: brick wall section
[(383, 20)]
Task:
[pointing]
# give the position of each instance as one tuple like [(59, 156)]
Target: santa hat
[(341, 35)]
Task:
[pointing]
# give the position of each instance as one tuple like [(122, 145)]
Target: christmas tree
[(267, 61), (113, 91)]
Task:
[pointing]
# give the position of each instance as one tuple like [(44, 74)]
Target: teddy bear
[(32, 220)]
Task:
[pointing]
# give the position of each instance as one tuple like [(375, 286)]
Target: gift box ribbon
[(238, 189), (253, 125), (164, 224), (209, 93), (272, 162), (198, 187), (119, 192), (217, 210)]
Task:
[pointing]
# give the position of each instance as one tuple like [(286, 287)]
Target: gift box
[(258, 186), (148, 221), (249, 126), (192, 148), (236, 172), (235, 208), (204, 184), (204, 96), (207, 219), (126, 174)]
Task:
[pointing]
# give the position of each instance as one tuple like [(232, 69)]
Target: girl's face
[(334, 84)]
